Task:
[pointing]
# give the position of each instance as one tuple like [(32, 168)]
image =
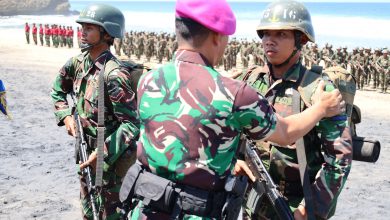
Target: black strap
[(301, 154)]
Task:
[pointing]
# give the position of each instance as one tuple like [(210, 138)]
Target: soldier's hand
[(70, 125), (331, 103), (90, 162), (300, 213), (242, 169)]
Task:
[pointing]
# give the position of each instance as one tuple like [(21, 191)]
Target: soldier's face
[(278, 45), (90, 33)]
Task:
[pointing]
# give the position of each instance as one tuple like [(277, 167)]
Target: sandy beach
[(38, 177)]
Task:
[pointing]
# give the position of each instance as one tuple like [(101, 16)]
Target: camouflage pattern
[(191, 120), (80, 74), (328, 146), (384, 67)]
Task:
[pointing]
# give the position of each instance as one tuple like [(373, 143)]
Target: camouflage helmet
[(385, 51), (106, 16), (286, 15)]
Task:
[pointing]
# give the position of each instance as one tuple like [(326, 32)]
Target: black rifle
[(81, 148), (264, 183)]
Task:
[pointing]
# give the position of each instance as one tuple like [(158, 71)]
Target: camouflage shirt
[(80, 75), (191, 120), (328, 144)]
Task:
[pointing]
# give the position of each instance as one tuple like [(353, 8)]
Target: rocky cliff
[(33, 7)]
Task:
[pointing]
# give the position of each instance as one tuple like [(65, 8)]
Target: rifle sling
[(303, 168), (100, 129)]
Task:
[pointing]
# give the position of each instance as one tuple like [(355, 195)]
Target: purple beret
[(216, 15)]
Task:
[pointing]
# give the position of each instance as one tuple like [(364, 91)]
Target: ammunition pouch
[(365, 149), (165, 196), (236, 187)]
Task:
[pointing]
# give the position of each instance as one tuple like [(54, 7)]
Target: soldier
[(360, 71), (27, 32), (383, 64), (80, 75), (327, 146), (47, 35), (79, 35), (375, 71), (41, 34), (191, 120), (34, 33)]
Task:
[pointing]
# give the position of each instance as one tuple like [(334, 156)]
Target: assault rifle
[(82, 156), (264, 185)]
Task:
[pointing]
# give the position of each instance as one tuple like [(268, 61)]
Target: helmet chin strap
[(298, 46), (88, 47)]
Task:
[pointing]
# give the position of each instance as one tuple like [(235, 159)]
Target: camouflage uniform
[(328, 171), (80, 74), (384, 63), (192, 136)]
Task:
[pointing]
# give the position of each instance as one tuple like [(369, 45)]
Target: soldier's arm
[(330, 179), (124, 106), (63, 84)]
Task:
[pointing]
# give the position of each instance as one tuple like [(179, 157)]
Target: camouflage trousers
[(47, 39), (384, 80), (41, 39), (35, 39), (28, 37), (106, 203)]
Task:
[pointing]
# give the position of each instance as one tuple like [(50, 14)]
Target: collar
[(293, 73), (191, 57)]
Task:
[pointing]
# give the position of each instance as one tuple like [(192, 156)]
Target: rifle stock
[(264, 183), (81, 149)]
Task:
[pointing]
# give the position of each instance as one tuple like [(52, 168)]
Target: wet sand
[(38, 177)]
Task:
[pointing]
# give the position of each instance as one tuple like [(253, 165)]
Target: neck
[(206, 49), (278, 72), (97, 50)]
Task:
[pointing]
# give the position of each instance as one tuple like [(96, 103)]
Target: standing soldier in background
[(47, 34), (81, 76), (34, 33), (327, 147), (79, 34), (383, 65), (118, 46), (27, 32), (71, 34), (360, 73), (375, 71), (54, 35), (41, 34)]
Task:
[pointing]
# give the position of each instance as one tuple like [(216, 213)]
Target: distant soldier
[(54, 36), (162, 44), (375, 71), (79, 34), (118, 46), (41, 34), (359, 64), (140, 46), (47, 35), (383, 65), (27, 32), (34, 34)]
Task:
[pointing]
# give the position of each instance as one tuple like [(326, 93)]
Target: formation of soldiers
[(370, 67), (149, 45), (52, 35)]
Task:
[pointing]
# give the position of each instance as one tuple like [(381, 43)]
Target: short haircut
[(191, 31)]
